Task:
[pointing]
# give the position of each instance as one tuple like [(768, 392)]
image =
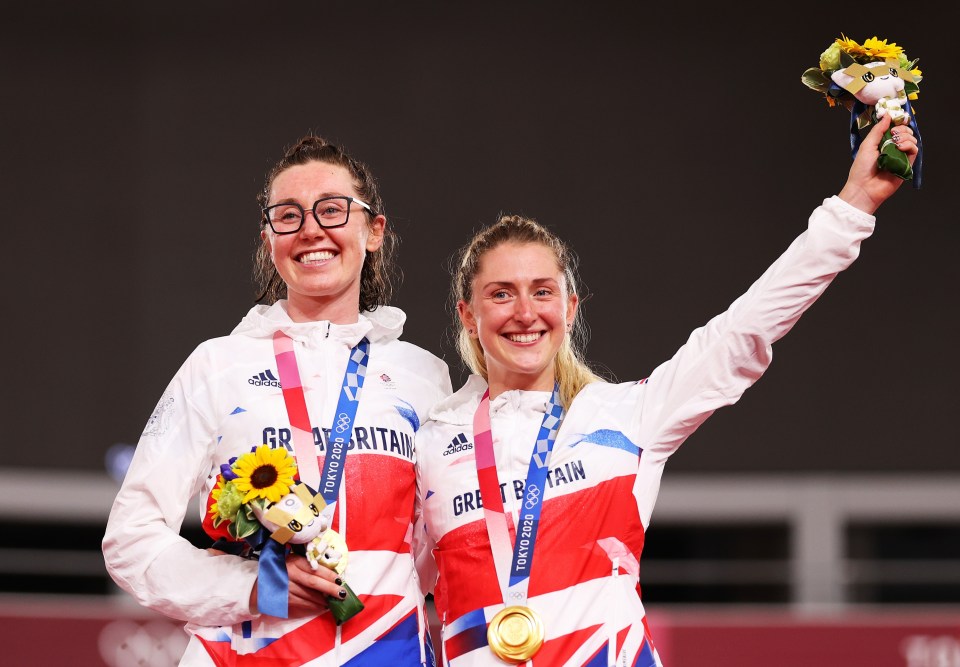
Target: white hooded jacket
[(226, 399), (605, 470)]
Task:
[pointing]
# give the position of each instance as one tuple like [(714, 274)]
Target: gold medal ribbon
[(515, 633)]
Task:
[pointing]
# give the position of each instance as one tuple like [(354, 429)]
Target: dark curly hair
[(378, 272)]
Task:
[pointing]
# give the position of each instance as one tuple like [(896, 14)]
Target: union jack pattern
[(605, 469)]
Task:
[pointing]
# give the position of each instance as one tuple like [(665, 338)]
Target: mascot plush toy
[(871, 81), (257, 509)]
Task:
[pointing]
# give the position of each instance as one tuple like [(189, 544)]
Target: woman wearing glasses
[(539, 480), (328, 339)]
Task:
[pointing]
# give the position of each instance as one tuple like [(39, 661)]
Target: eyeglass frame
[(313, 209)]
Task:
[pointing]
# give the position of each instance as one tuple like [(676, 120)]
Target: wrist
[(858, 198)]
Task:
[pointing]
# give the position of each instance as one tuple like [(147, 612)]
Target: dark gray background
[(675, 148)]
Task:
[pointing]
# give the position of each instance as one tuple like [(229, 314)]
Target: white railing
[(817, 508)]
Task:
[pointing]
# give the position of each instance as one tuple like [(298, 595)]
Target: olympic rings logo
[(343, 421), (532, 497)]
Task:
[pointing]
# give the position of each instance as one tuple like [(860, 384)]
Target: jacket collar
[(458, 408), (380, 325)]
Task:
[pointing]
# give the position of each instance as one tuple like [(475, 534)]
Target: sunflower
[(217, 491), (879, 49), (850, 46), (265, 473)]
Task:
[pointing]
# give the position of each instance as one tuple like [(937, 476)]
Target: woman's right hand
[(868, 186)]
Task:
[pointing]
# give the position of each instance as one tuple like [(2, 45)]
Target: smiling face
[(520, 309), (321, 267)]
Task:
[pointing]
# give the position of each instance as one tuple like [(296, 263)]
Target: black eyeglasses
[(328, 212)]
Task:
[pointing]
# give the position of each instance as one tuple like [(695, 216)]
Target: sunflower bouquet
[(871, 80), (260, 510)]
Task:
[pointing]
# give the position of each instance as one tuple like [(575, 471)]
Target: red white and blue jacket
[(605, 470), (225, 399)]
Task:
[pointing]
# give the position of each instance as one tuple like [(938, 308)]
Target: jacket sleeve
[(422, 543), (143, 550), (722, 359)]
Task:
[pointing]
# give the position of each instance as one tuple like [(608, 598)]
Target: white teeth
[(315, 256), (523, 338)]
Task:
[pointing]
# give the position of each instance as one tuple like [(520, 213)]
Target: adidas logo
[(458, 444), (264, 379)]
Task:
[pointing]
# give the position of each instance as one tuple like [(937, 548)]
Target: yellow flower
[(215, 494), (879, 49), (850, 46), (917, 77), (265, 473)]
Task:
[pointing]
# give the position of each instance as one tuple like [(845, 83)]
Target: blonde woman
[(539, 479)]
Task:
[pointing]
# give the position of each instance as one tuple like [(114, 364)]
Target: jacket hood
[(459, 407), (383, 324)]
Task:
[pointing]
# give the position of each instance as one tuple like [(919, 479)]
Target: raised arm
[(726, 356)]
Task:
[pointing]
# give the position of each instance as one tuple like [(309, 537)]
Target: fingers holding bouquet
[(257, 501), (876, 83)]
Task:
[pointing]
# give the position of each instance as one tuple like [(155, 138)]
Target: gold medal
[(515, 634)]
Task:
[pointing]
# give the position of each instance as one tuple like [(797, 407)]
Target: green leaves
[(244, 524), (816, 79)]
